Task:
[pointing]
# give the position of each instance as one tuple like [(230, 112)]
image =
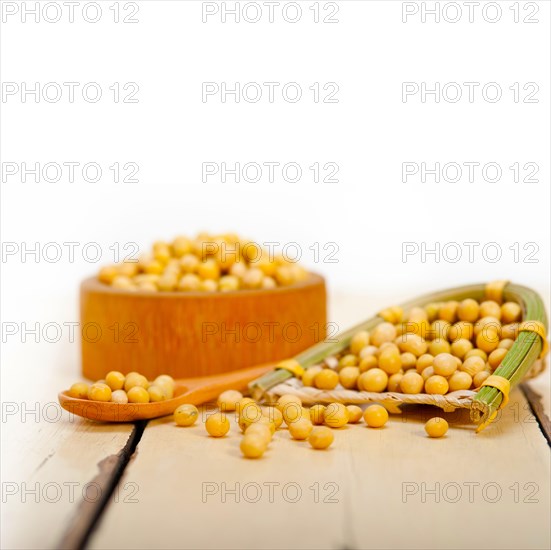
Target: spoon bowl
[(193, 391)]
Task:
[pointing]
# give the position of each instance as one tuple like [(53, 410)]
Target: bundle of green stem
[(516, 364)]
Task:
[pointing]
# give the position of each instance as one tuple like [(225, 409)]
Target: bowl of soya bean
[(199, 306)]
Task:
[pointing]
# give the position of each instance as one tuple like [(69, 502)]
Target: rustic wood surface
[(388, 488), (50, 459)]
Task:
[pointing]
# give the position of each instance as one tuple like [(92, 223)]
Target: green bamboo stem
[(521, 356)]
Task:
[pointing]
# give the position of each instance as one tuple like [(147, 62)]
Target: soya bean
[(383, 332), (217, 425), (309, 375), (156, 393), (135, 379), (479, 377), (301, 429), (354, 414), (489, 308), (436, 385), (321, 437), (510, 312), (284, 400), (274, 415), (253, 445), (261, 430), (460, 380), (394, 382), (327, 379), (468, 310), (436, 427), (444, 364), (348, 360), (368, 362), (359, 341), (423, 362), (461, 347), (335, 415), (186, 415), (390, 361), (137, 394), (448, 311), (412, 343), (79, 390), (316, 414), (120, 397), (461, 330), (348, 377), (375, 416), (227, 400), (496, 357), (473, 365), (411, 382), (99, 392), (373, 380), (439, 346), (408, 360), (115, 380)]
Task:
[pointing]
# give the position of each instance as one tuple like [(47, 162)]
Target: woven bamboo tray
[(524, 359)]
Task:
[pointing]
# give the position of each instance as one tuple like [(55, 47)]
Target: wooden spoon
[(187, 390)]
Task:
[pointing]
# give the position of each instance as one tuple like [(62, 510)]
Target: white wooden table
[(388, 488)]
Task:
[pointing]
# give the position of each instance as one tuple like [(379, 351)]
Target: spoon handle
[(207, 388)]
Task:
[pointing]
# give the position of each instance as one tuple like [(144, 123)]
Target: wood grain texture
[(160, 496), (538, 409), (197, 333), (388, 488), (368, 470), (89, 511), (49, 457)]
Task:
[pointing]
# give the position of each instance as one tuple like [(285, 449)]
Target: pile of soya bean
[(206, 263), (315, 424), (131, 388), (441, 348)]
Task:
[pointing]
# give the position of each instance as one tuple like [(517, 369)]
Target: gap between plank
[(88, 513), (536, 406)]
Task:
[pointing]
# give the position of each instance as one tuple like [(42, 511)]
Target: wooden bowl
[(188, 334)]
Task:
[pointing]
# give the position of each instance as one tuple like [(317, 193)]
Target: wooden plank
[(49, 458), (382, 482), (539, 405), (84, 520), (372, 489)]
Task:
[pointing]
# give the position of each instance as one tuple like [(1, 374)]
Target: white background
[(369, 213)]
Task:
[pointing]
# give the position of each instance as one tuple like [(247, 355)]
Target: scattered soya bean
[(316, 414), (186, 415), (253, 445), (335, 415), (217, 425), (228, 400), (321, 437), (375, 416), (354, 414), (436, 427), (301, 428)]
